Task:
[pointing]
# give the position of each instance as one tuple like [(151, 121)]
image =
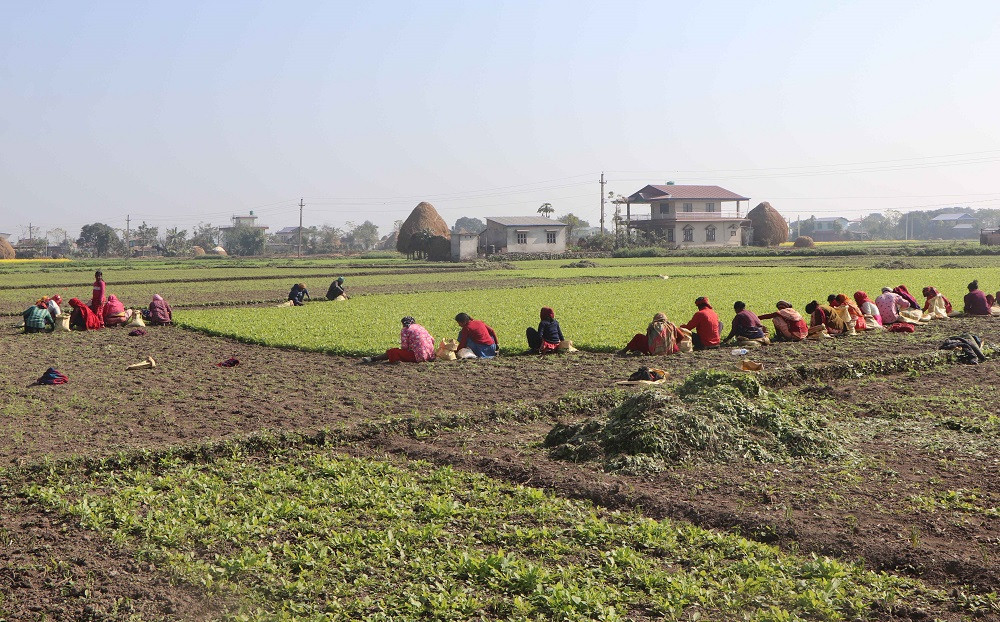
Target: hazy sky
[(178, 112)]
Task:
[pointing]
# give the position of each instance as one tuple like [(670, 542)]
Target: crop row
[(596, 316), (309, 534)]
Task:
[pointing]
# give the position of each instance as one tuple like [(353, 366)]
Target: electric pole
[(30, 235), (128, 246), (602, 203), (302, 204)]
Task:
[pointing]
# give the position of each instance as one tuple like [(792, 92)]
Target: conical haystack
[(423, 218), (804, 241), (6, 250), (218, 250), (769, 228), (197, 250)]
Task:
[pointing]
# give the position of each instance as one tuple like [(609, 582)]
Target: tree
[(205, 236), (573, 224), (245, 240), (146, 235), (546, 210), (365, 235), (470, 225), (102, 238), (56, 236), (175, 241)]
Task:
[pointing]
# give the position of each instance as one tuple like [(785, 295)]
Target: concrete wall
[(464, 247), (727, 233), (505, 239)]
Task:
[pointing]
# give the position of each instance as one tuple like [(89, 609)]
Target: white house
[(690, 215), (464, 246), (290, 235), (523, 234)]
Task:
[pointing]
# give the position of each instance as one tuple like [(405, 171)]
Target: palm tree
[(546, 210)]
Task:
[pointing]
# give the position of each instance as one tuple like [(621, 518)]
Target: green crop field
[(596, 316), (307, 534)]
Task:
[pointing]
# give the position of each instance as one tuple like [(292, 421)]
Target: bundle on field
[(583, 263), (804, 241), (712, 417), (6, 250), (419, 230), (769, 227)]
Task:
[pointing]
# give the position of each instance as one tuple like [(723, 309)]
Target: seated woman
[(415, 345), (705, 324), (297, 293), (855, 317), (548, 336), (788, 323), (115, 313), (823, 320), (160, 313), (662, 337), (477, 336), (873, 320), (82, 318), (907, 296), (336, 291), (936, 305), (746, 328), (37, 318), (53, 306)]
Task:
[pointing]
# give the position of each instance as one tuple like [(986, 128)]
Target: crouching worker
[(297, 293), (336, 291), (37, 318), (746, 328), (82, 318), (115, 313), (477, 336), (415, 345), (548, 336), (160, 313), (662, 337), (788, 323)]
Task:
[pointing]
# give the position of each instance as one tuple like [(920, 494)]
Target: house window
[(689, 233), (522, 237), (710, 207), (732, 233), (710, 233), (670, 235), (664, 208), (688, 207), (550, 237)]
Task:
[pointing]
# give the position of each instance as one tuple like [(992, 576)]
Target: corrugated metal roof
[(652, 192), (525, 221), (950, 217), (290, 230)]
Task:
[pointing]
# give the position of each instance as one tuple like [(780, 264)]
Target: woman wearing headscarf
[(975, 300), (662, 337), (336, 291), (788, 323), (82, 318), (97, 299), (415, 345), (37, 318), (935, 305), (548, 336), (902, 291), (747, 328), (160, 312), (115, 313), (855, 316), (705, 325), (53, 305), (297, 293), (869, 309), (823, 320)]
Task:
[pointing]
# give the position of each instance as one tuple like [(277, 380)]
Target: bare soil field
[(915, 431)]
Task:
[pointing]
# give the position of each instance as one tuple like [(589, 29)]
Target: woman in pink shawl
[(788, 323), (115, 313)]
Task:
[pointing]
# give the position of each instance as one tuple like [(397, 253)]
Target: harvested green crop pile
[(713, 417)]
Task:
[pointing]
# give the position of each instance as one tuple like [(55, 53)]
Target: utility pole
[(602, 203), (30, 235), (302, 204), (128, 232)]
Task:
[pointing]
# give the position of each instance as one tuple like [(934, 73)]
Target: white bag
[(466, 353), (62, 322)]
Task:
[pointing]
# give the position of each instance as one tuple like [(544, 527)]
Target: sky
[(179, 113)]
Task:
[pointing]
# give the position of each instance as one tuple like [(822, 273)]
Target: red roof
[(650, 193)]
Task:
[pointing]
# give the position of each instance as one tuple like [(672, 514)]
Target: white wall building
[(523, 234)]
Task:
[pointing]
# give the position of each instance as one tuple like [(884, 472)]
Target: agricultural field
[(852, 479)]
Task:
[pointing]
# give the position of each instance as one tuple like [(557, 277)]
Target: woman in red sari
[(82, 318), (97, 299)]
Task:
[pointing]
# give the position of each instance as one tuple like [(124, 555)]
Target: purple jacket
[(160, 312)]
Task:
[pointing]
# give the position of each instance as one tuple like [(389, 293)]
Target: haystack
[(6, 250), (804, 241), (769, 228), (422, 224), (197, 250), (218, 250)]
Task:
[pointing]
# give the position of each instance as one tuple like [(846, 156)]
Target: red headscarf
[(861, 298), (90, 319), (547, 314), (902, 291), (702, 302)]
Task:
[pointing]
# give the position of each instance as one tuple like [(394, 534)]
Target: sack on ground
[(136, 320), (287, 303), (445, 350), (686, 344), (751, 366), (466, 353), (566, 346), (62, 322)]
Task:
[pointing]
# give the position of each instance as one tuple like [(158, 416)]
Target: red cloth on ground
[(397, 355), (706, 323), (901, 327)]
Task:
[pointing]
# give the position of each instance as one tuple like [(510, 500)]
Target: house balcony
[(646, 222)]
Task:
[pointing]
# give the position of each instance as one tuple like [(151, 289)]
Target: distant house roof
[(965, 225), (526, 221), (831, 219), (290, 230), (670, 191), (953, 217)]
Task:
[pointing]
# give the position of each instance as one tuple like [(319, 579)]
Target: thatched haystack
[(420, 226), (769, 228), (804, 241), (6, 250), (197, 251), (218, 250)]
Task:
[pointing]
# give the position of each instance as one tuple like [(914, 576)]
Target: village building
[(690, 215), (523, 234), (464, 246), (955, 226)]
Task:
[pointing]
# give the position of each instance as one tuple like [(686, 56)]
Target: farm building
[(957, 226), (464, 246), (523, 234), (690, 215)]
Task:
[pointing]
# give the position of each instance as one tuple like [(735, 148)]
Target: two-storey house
[(690, 215)]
